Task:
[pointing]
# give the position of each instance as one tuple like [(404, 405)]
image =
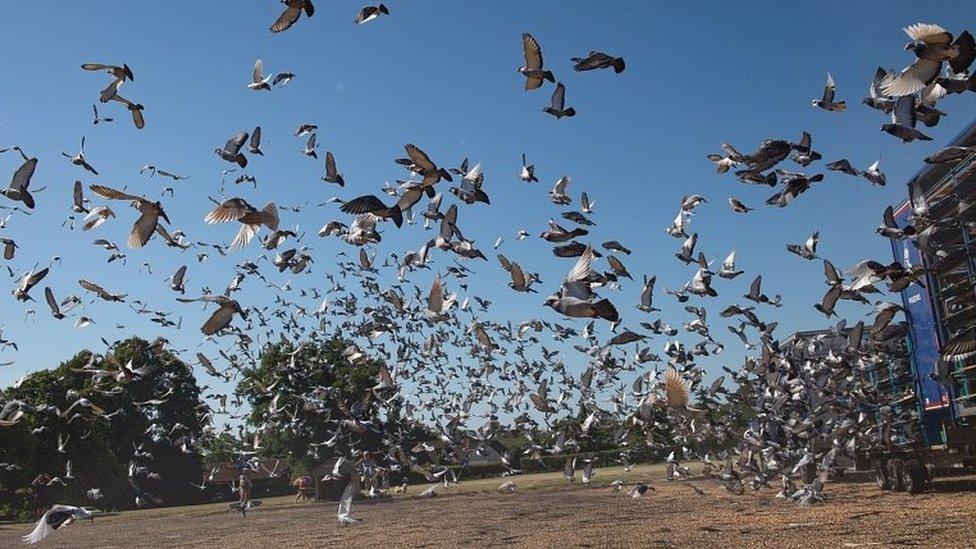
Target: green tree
[(299, 397), (99, 448)]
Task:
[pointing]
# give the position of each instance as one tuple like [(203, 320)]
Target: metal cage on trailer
[(936, 397)]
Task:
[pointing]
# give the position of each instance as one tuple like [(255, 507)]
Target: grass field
[(546, 511)]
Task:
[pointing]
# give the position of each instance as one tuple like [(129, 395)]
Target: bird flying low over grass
[(56, 517)]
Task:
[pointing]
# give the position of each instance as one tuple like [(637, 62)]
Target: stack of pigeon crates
[(960, 308), (893, 382), (952, 274)]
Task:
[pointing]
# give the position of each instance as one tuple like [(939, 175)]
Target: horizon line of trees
[(131, 428)]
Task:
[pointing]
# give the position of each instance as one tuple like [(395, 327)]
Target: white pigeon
[(258, 80), (345, 503), (508, 487), (56, 517), (558, 191)]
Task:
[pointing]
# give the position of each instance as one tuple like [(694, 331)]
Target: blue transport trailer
[(932, 403)]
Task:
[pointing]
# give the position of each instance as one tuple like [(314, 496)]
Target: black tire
[(896, 469), (914, 476), (881, 474)]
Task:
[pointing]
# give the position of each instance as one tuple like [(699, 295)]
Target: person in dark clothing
[(41, 485)]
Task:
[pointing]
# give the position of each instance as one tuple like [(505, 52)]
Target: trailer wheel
[(913, 476), (896, 470), (881, 474)]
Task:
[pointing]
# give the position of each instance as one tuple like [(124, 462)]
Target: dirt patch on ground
[(574, 516)]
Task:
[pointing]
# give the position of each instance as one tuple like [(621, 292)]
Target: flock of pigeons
[(448, 362)]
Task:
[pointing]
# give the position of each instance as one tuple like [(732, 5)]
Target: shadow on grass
[(948, 485)]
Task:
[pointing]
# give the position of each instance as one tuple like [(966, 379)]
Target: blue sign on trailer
[(924, 336)]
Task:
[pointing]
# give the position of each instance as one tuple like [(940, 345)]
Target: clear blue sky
[(442, 75)]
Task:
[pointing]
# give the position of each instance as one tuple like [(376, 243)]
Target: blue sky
[(442, 75)]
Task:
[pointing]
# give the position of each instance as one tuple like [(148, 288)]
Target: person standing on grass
[(244, 487), (304, 485), (41, 485), (367, 465)]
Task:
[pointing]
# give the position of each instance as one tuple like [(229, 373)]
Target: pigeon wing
[(23, 175), (229, 210), (286, 19), (419, 157), (532, 50), (363, 204), (233, 146)]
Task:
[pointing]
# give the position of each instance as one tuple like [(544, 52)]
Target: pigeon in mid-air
[(369, 13), (220, 318), (874, 174), (79, 159), (135, 109), (931, 45), (282, 79), (332, 174), (231, 151), (532, 70), (370, 204), (528, 172), (293, 11), (737, 206), (19, 183), (251, 219), (827, 102), (146, 224), (807, 250), (903, 119), (557, 103), (843, 165), (56, 517), (258, 80), (598, 60)]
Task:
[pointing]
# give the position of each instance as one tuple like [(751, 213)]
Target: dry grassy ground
[(549, 513)]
